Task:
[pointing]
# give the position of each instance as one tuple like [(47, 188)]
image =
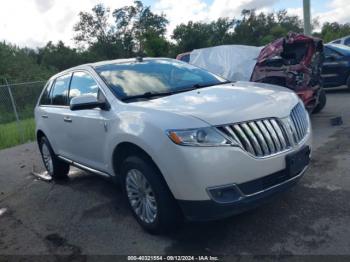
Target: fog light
[(225, 194)]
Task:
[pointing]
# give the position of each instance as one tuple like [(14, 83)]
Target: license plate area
[(296, 162)]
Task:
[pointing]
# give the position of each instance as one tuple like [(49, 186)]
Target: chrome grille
[(269, 136), (260, 137), (300, 121)]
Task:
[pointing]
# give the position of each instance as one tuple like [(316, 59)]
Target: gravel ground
[(88, 215)]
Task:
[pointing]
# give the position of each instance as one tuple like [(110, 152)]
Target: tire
[(322, 100), (163, 214), (56, 168)]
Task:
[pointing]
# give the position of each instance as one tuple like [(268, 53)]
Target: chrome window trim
[(53, 79)]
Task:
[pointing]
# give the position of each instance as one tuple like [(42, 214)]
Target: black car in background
[(336, 66)]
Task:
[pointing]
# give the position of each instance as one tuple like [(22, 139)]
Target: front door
[(88, 129), (333, 68)]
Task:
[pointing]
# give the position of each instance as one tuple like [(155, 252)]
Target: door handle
[(67, 119), (44, 116)]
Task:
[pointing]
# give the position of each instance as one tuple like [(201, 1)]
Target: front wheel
[(149, 198), (322, 100)]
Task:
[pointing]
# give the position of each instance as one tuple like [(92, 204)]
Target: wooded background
[(136, 30)]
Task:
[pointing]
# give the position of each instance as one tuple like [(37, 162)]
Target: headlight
[(207, 136)]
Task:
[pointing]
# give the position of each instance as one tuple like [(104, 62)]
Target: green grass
[(10, 135)]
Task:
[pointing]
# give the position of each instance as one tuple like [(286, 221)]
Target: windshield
[(161, 76)]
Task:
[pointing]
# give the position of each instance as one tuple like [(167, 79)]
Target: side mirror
[(87, 102)]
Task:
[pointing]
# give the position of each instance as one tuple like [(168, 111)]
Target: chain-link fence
[(17, 102)]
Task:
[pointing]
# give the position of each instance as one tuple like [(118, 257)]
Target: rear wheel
[(149, 198), (322, 100), (56, 168)]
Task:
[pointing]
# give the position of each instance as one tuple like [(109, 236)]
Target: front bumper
[(190, 171), (210, 210)]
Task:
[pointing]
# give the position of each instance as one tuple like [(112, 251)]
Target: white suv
[(182, 141)]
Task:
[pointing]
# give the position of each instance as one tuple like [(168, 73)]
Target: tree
[(156, 46), (191, 36), (58, 57), (138, 24), (250, 29), (93, 27), (195, 35), (260, 29), (134, 28), (332, 31), (94, 31), (19, 65)]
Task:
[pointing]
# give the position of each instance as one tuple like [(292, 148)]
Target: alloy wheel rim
[(47, 158), (141, 196)]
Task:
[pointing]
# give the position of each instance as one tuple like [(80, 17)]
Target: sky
[(33, 23)]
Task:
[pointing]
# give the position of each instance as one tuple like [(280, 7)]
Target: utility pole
[(307, 17)]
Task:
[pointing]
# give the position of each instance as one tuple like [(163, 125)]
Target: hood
[(230, 103)]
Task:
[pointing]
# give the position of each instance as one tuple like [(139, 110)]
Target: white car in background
[(182, 141)]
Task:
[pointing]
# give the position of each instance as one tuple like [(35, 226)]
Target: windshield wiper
[(147, 95), (213, 84), (197, 86)]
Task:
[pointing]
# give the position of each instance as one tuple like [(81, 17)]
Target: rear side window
[(82, 84), (59, 94), (45, 98), (347, 41)]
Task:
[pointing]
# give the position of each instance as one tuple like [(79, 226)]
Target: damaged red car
[(294, 61)]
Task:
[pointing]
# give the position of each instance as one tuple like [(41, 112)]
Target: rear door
[(55, 113), (41, 114), (88, 129)]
